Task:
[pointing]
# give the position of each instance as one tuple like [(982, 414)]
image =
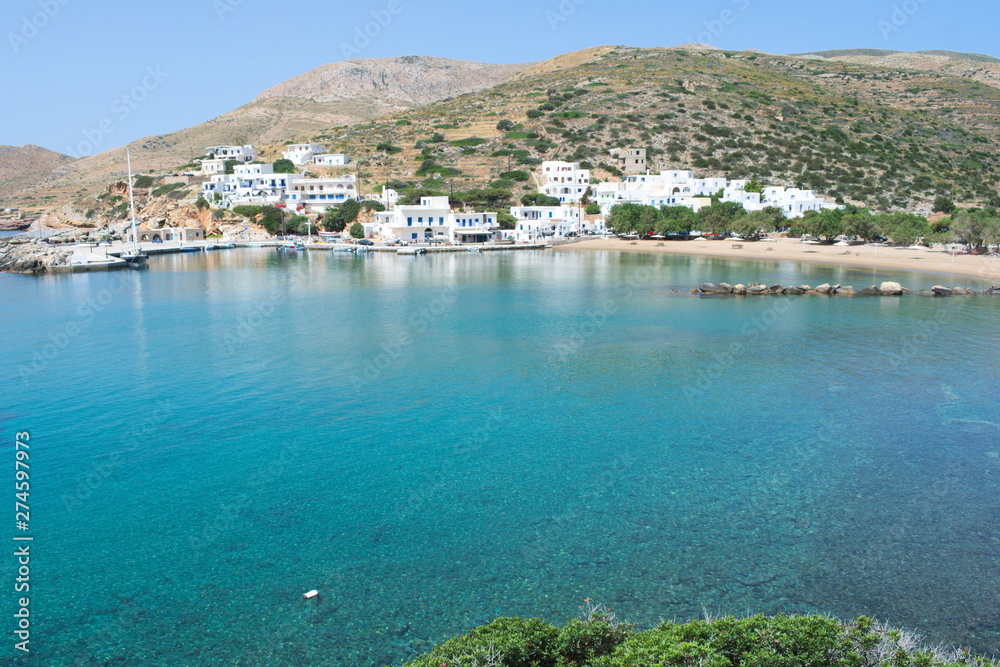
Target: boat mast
[(131, 199)]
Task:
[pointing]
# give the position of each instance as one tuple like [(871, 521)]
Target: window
[(409, 222), (420, 219)]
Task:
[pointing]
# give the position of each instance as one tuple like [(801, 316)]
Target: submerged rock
[(941, 290), (870, 291), (793, 290), (712, 288)]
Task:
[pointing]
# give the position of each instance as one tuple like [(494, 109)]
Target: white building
[(301, 154), (535, 223), (433, 219), (564, 180), (792, 201), (219, 155), (315, 195), (668, 188), (248, 184), (331, 160)]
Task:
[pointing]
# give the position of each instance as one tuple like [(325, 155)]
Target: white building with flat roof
[(331, 160), (315, 195), (218, 156), (302, 154), (433, 219), (255, 184), (564, 180)]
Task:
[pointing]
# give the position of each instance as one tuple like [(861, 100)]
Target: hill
[(21, 166), (339, 93), (868, 134), (893, 131)]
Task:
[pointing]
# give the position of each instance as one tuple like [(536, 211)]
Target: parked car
[(365, 242)]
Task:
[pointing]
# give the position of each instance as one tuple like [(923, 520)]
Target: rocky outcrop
[(890, 289), (29, 256), (870, 291)]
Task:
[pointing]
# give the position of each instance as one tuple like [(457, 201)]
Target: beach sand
[(791, 250)]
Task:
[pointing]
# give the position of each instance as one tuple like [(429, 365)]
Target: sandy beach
[(791, 250)]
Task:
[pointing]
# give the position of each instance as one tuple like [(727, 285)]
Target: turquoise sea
[(432, 442)]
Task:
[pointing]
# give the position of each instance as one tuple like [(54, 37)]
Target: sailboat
[(134, 256)]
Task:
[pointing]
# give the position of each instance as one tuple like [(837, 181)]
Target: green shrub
[(357, 231), (166, 189), (143, 181), (516, 175), (470, 141), (506, 642), (535, 113), (387, 147), (247, 211)]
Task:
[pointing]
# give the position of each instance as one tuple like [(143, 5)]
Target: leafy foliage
[(357, 231), (283, 166), (599, 640)]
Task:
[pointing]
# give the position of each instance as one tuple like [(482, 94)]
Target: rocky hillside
[(21, 166), (883, 137), (891, 130), (981, 68), (339, 93)]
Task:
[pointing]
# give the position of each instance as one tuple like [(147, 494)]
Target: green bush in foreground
[(599, 640)]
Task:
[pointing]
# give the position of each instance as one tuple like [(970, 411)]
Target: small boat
[(190, 248)]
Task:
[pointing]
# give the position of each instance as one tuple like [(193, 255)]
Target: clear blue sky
[(66, 64)]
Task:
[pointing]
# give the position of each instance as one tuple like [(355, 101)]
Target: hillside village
[(570, 201)]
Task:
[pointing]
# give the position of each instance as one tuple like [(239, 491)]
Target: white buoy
[(310, 595)]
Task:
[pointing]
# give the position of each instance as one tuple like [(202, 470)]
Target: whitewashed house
[(433, 219), (668, 188), (218, 156), (331, 160), (255, 184), (302, 154), (315, 195), (538, 222), (792, 201), (564, 180)]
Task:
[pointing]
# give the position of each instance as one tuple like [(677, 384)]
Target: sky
[(77, 73)]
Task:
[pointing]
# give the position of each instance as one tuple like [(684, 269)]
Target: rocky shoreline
[(20, 255), (885, 289)]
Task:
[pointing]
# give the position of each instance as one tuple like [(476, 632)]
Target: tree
[(752, 224), (230, 165), (284, 166), (539, 199), (719, 217), (826, 223), (943, 205), (860, 225), (271, 218), (201, 204), (357, 231), (505, 125), (506, 221), (335, 219), (676, 220), (593, 208), (298, 224), (973, 226), (624, 218)]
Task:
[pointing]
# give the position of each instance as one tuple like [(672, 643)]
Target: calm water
[(436, 441)]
